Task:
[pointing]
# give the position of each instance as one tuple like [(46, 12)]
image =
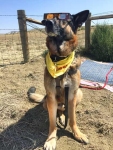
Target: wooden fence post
[(23, 34), (87, 32)]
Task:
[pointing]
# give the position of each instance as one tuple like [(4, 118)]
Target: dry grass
[(11, 49), (20, 120), (24, 125)]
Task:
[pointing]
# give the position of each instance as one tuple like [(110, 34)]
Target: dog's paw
[(79, 136), (62, 119), (31, 90), (50, 144)]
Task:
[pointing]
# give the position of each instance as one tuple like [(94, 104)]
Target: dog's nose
[(51, 27), (49, 23)]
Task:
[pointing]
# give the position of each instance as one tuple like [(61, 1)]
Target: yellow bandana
[(59, 68)]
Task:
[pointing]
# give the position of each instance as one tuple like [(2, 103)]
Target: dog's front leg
[(50, 143), (72, 121)]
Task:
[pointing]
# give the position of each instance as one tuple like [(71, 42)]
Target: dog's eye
[(63, 22)]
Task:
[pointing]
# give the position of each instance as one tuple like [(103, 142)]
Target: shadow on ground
[(30, 132)]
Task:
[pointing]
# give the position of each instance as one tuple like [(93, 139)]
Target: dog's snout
[(49, 23), (43, 22), (51, 27)]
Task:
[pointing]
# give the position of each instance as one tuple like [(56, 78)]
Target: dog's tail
[(33, 97)]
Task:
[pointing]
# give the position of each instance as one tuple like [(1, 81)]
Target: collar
[(56, 58)]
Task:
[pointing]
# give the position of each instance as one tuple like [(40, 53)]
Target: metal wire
[(35, 27), (16, 15)]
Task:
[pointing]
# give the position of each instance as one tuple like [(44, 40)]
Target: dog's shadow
[(29, 132)]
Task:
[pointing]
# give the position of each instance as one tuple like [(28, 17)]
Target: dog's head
[(64, 25)]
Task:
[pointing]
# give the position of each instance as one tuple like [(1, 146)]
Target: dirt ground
[(24, 125)]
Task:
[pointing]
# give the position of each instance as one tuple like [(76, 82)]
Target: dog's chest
[(61, 83)]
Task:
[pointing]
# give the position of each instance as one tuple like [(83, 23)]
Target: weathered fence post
[(87, 32), (23, 34)]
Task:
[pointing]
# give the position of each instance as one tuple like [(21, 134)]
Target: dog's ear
[(79, 18)]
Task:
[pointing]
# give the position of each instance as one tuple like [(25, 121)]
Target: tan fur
[(54, 96), (67, 46)]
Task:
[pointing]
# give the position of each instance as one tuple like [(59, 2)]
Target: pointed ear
[(79, 18)]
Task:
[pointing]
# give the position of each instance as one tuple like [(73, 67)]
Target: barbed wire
[(36, 27), (10, 29), (17, 15), (109, 12)]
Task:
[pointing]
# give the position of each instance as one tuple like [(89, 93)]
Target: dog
[(62, 69)]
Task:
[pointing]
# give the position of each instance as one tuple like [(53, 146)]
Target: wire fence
[(23, 123), (10, 42), (11, 48)]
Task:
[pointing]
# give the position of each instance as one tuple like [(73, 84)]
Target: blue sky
[(39, 7)]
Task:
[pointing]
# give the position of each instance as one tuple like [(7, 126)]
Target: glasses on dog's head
[(60, 16)]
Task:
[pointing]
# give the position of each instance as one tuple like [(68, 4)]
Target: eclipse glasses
[(60, 16)]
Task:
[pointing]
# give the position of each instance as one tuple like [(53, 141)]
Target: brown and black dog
[(61, 43)]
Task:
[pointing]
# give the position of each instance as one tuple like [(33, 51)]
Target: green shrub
[(102, 43)]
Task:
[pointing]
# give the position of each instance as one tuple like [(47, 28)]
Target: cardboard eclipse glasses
[(60, 16)]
